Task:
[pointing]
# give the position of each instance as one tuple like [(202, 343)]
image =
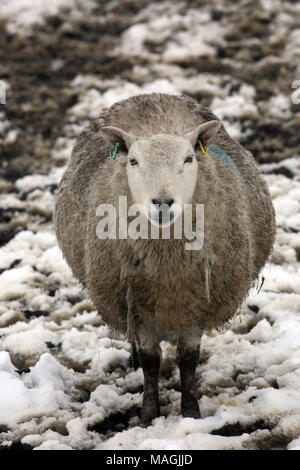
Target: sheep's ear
[(205, 132), (114, 134)]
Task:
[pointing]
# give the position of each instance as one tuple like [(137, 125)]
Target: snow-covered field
[(65, 378)]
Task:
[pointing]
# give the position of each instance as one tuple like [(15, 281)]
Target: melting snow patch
[(41, 395)]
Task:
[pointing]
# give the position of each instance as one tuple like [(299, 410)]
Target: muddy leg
[(149, 358), (187, 359), (134, 360)]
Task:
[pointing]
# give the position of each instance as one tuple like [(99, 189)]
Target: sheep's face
[(162, 169), (162, 174)]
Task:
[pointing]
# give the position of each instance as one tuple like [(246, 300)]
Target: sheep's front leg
[(187, 359), (149, 357)]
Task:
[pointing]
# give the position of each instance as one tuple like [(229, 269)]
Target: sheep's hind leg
[(134, 360), (149, 357), (187, 359)]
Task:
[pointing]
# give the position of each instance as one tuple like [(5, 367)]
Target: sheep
[(165, 150)]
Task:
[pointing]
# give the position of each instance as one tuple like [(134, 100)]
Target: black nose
[(167, 201)]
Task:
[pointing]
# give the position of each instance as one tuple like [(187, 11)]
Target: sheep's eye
[(188, 159), (133, 162)]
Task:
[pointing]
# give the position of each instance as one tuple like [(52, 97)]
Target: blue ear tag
[(114, 153)]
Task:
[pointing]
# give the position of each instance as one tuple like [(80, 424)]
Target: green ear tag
[(114, 153)]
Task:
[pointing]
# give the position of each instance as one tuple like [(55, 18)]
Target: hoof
[(148, 414), (190, 409), (150, 410), (191, 413)]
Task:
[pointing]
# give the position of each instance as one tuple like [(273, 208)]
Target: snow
[(65, 378), (41, 397), (29, 343), (92, 102), (239, 106), (23, 15), (182, 434), (194, 43)]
